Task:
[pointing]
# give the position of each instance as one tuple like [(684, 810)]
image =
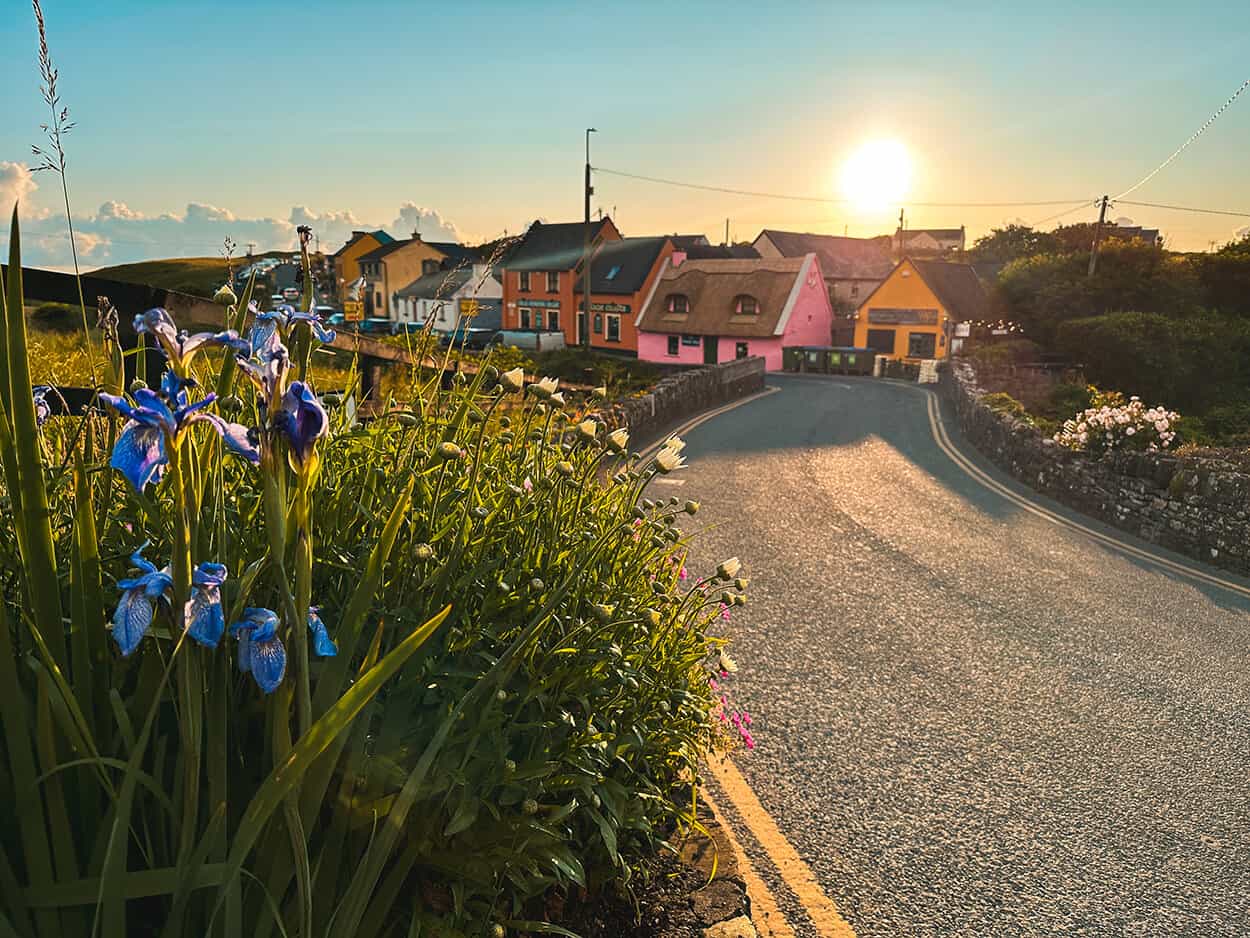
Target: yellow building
[(346, 259), (389, 268), (912, 314)]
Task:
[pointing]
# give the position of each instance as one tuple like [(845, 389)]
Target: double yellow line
[(1166, 563)]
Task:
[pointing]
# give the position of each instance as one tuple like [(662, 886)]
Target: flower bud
[(728, 569), (604, 612), (407, 420), (225, 296), (490, 374), (333, 399), (529, 806), (513, 379), (588, 429), (423, 552), (557, 398), (536, 584), (545, 388), (691, 508), (741, 583), (498, 931), (653, 616), (618, 440), (505, 422), (600, 393), (480, 513), (564, 467), (501, 695), (509, 766), (449, 450), (136, 385), (230, 404)]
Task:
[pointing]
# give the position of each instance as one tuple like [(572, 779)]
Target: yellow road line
[(705, 417), (765, 915), (828, 922), (947, 446)]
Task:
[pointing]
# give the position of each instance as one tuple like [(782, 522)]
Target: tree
[(1003, 245)]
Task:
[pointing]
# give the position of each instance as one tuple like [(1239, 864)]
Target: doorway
[(710, 350)]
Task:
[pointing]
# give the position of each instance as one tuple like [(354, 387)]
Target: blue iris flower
[(42, 409), (260, 650), (140, 594), (154, 423), (179, 347), (205, 619), (265, 329), (303, 421), (323, 645), (268, 371)]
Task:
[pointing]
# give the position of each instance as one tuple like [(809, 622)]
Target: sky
[(198, 121)]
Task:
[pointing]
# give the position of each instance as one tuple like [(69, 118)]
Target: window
[(525, 280), (854, 289), (553, 320), (429, 266), (553, 281), (616, 269), (921, 344), (377, 300), (614, 328), (746, 305), (672, 345), (598, 323), (881, 341), (678, 303), (693, 341), (525, 318), (740, 350)]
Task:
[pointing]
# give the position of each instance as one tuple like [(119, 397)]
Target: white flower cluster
[(1130, 426)]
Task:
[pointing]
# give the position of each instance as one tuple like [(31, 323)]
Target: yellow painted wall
[(903, 289), (401, 267), (346, 266)]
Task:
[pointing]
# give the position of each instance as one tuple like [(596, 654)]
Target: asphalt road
[(970, 721)]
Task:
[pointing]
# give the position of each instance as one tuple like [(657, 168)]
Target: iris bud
[(225, 296)]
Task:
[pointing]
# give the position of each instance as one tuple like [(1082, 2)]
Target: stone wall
[(685, 394), (1196, 505)]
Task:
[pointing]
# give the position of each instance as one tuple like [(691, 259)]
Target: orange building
[(912, 314)]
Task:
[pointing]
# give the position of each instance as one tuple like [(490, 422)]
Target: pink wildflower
[(748, 739), (683, 575), (528, 484), (711, 682), (724, 612), (746, 718)]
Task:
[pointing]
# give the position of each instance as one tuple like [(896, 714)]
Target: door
[(581, 328), (709, 350)]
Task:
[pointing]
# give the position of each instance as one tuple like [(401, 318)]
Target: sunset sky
[(200, 120)]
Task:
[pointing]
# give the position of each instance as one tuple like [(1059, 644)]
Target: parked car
[(469, 337), (277, 300), (530, 341), (375, 324)]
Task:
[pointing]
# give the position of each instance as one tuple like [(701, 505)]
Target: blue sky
[(473, 113)]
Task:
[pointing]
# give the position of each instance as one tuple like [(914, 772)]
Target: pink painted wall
[(810, 323)]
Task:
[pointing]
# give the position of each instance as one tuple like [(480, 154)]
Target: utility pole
[(589, 191), (900, 234), (1093, 251), (726, 232)]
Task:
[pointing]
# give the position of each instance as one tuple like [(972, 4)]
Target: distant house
[(1132, 233), (390, 267), (928, 242), (541, 275), (913, 312), (710, 311), (853, 267), (446, 295), (345, 260)]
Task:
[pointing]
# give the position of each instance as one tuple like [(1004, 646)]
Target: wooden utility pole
[(585, 317), (1093, 251)]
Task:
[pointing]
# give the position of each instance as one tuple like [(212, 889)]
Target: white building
[(445, 295)]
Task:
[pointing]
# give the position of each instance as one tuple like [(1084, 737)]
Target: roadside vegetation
[(1170, 328), (271, 672)]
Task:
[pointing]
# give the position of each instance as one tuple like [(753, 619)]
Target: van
[(529, 341)]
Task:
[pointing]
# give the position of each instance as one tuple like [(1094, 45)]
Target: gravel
[(969, 720)]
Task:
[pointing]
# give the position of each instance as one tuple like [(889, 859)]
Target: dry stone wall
[(1196, 505)]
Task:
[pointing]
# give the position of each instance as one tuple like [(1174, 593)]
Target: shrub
[(1003, 403), (56, 317), (1069, 398), (1114, 424), (468, 672)]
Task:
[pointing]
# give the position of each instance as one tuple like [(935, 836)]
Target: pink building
[(710, 311)]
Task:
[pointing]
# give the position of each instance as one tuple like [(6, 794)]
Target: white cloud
[(117, 234), (1242, 233), (1124, 222)]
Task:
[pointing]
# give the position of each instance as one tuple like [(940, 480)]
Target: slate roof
[(708, 252), (381, 251), (382, 237), (685, 242), (438, 285), (553, 246), (711, 288), (453, 251), (635, 258), (957, 287), (841, 258)]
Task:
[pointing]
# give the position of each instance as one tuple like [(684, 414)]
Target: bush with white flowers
[(1114, 424)]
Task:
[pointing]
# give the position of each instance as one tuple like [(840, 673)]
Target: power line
[(1194, 136), (1185, 208), (1085, 203), (812, 198)]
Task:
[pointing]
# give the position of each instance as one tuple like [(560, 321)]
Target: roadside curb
[(721, 904)]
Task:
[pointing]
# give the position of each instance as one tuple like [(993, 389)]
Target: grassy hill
[(199, 276)]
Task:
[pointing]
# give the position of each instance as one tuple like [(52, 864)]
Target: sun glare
[(876, 175)]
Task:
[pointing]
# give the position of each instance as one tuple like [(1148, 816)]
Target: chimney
[(416, 234), (677, 258)]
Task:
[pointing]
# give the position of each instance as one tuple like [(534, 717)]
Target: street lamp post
[(583, 321)]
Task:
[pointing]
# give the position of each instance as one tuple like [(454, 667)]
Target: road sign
[(353, 311)]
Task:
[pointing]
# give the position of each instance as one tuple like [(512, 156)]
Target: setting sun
[(877, 174)]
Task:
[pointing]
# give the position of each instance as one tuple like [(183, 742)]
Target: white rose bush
[(1113, 424)]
